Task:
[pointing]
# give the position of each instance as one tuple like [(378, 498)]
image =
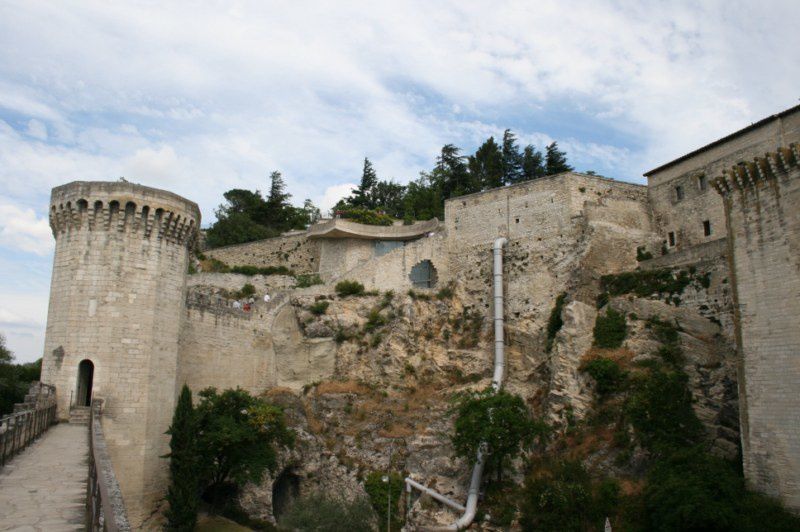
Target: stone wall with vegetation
[(295, 251)]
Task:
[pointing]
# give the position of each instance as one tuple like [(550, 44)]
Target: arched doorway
[(285, 490), (423, 275), (83, 395)]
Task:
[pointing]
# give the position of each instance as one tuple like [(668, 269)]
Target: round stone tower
[(116, 300)]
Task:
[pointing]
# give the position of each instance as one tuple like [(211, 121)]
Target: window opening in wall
[(671, 237), (83, 395), (707, 227), (517, 220), (679, 192), (423, 275), (702, 183)]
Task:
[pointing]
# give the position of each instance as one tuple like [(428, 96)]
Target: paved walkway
[(44, 487)]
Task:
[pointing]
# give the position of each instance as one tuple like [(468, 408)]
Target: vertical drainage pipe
[(497, 382)]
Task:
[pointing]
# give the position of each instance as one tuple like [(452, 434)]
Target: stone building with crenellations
[(129, 325)]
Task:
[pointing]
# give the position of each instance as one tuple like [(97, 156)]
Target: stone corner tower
[(116, 300)]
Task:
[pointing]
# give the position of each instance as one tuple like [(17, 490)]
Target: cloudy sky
[(201, 97)]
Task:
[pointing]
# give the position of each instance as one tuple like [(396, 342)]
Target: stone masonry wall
[(685, 217), (116, 296), (295, 251), (761, 199)]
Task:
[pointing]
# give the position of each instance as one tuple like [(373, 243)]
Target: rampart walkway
[(44, 487)]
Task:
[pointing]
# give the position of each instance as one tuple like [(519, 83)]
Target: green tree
[(311, 212), (555, 160), (450, 174), (532, 164), (486, 166), (278, 208), (364, 195), (501, 421), (236, 228), (184, 491), (240, 201), (388, 197), (238, 438), (381, 494), (423, 200), (512, 159), (15, 379)]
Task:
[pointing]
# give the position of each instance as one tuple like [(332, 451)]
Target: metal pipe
[(497, 382)]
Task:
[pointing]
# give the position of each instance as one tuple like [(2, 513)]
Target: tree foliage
[(15, 379), (555, 160), (382, 494), (499, 420), (319, 513), (238, 436)]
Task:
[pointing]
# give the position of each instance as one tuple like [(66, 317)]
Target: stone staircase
[(79, 415)]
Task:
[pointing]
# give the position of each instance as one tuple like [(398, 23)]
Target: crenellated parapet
[(749, 174), (123, 207)]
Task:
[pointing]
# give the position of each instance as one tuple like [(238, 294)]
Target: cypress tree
[(556, 160), (183, 494), (278, 209)]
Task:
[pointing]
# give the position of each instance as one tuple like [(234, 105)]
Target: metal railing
[(105, 509), (28, 422)]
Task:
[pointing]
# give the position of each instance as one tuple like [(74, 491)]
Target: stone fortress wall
[(760, 199), (684, 216), (118, 295), (116, 301)]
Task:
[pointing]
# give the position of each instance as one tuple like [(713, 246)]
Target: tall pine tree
[(512, 159), (184, 492), (556, 160), (450, 174), (363, 196), (532, 163), (486, 166), (277, 214)]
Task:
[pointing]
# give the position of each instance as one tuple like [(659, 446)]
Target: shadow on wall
[(285, 490)]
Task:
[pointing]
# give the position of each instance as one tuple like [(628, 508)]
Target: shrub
[(247, 290), (215, 266), (644, 283), (610, 330), (607, 374), (602, 299), (660, 410), (558, 499), (555, 322), (319, 308), (642, 254), (367, 216), (374, 320), (306, 280), (318, 513), (445, 293), (379, 493), (349, 288), (258, 270)]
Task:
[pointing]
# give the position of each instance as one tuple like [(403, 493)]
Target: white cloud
[(22, 230), (37, 129), (332, 195)]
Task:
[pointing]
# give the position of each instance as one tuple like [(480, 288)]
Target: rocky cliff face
[(400, 358)]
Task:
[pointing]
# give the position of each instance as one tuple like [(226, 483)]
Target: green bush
[(610, 330), (607, 374), (213, 265), (319, 308), (444, 293), (247, 290), (644, 283), (602, 299), (379, 493), (642, 254), (305, 280), (559, 499), (349, 288), (259, 270), (367, 216), (374, 320), (318, 513), (555, 322)]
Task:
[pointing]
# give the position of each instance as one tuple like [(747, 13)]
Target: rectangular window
[(671, 239), (702, 182), (707, 227), (679, 192)]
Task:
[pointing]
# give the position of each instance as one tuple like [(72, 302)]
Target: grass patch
[(305, 280), (349, 288), (319, 308)]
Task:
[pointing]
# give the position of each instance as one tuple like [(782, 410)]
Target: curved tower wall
[(116, 299)]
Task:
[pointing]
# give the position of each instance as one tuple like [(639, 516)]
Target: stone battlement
[(123, 207), (761, 169)]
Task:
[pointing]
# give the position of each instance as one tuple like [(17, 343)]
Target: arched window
[(423, 274), (83, 393)]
